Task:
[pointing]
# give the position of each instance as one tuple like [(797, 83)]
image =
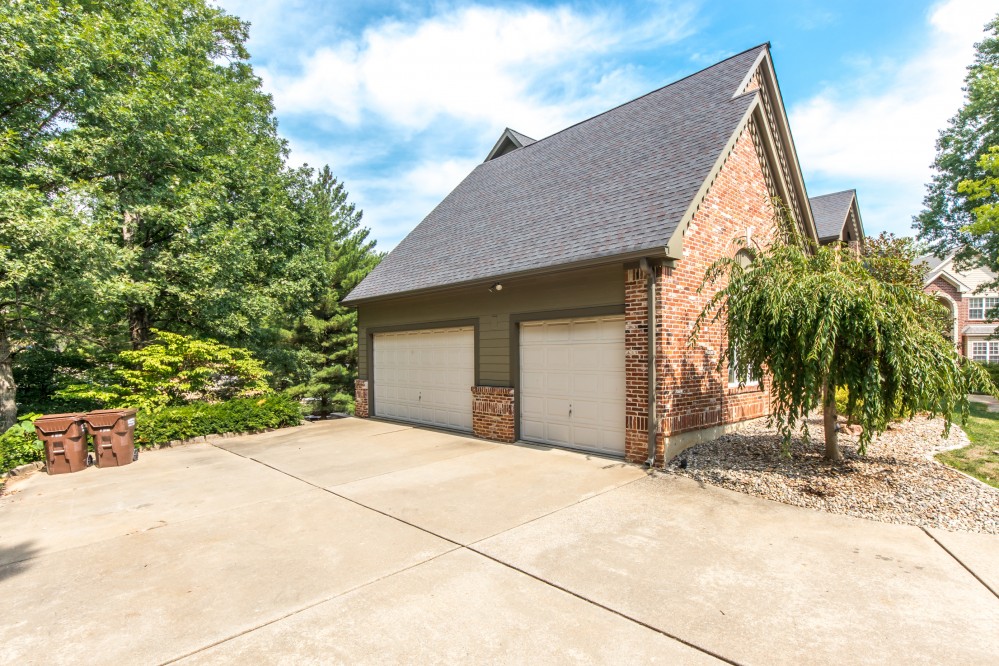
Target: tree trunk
[(833, 454), (138, 326), (138, 315), (8, 389)]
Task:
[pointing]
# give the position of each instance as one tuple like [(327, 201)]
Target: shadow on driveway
[(16, 559)]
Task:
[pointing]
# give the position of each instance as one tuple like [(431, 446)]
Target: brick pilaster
[(636, 359), (492, 413), (361, 398)]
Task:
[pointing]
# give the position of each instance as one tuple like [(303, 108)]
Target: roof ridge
[(652, 92), (852, 190)]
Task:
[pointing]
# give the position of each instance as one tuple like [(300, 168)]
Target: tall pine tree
[(324, 342)]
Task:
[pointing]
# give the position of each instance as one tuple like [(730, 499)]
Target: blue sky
[(403, 99)]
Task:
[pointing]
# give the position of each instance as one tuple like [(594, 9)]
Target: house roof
[(831, 211), (509, 141), (931, 260), (615, 185), (942, 268), (522, 138)]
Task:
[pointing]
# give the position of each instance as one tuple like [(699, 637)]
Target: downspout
[(650, 287)]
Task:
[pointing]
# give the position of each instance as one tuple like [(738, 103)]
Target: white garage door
[(426, 376), (572, 383)]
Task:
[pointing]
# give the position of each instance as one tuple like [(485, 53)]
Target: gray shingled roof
[(523, 138), (830, 212), (616, 184), (931, 261)]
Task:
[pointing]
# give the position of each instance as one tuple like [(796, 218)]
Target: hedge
[(19, 446), (240, 415)]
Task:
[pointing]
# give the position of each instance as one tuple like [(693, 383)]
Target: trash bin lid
[(105, 418), (55, 423)]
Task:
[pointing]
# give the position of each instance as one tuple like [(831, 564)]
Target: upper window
[(980, 306), (985, 352)]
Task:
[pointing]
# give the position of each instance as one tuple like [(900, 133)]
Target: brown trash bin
[(113, 431), (65, 439)]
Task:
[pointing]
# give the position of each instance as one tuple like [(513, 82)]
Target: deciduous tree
[(812, 319), (962, 199)]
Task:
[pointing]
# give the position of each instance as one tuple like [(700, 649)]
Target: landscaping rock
[(898, 481)]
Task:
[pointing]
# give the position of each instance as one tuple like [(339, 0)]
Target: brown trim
[(422, 326), (543, 315), (657, 252)]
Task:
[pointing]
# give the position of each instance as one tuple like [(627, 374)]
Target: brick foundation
[(492, 413), (361, 398)]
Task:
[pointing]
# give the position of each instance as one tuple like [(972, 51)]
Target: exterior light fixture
[(496, 287)]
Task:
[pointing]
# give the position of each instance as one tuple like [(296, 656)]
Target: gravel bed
[(898, 481)]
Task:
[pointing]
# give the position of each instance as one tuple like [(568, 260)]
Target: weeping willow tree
[(812, 319)]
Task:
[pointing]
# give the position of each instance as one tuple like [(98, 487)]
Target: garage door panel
[(558, 383), (557, 432), (532, 381), (532, 408), (574, 366), (425, 376), (558, 358), (557, 408), (588, 385)]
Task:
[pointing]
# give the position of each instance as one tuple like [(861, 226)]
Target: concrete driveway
[(361, 541)]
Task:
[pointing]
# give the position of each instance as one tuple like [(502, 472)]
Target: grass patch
[(981, 458)]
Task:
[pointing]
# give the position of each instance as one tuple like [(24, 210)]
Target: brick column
[(492, 413), (636, 360), (361, 398)]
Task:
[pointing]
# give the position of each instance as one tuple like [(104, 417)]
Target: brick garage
[(543, 254)]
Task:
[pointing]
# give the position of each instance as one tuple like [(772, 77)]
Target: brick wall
[(960, 304), (691, 392), (492, 413), (636, 356), (361, 398)]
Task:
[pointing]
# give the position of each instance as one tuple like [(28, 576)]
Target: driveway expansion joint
[(961, 562), (468, 547)]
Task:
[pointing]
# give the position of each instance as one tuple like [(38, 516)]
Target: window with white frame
[(979, 307), (733, 380), (985, 351)]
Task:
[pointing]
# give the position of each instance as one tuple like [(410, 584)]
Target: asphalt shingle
[(615, 184), (830, 212)]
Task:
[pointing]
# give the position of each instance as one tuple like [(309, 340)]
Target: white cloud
[(477, 65), (420, 99), (879, 134)]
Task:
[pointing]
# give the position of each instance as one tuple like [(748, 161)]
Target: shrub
[(240, 415), (19, 446), (174, 370), (993, 370)]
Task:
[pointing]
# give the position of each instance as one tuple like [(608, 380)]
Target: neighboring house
[(959, 290), (519, 309), (837, 218)]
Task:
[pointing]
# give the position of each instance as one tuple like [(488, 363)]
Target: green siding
[(593, 287)]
